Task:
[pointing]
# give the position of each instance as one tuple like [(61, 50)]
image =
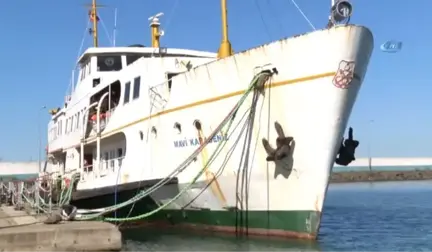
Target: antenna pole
[(94, 19), (225, 49), (115, 26)]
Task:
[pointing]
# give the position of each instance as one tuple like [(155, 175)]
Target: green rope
[(142, 194), (65, 197)]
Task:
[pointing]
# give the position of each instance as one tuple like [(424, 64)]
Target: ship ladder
[(156, 99)]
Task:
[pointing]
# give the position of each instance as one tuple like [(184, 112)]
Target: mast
[(94, 18), (225, 49), (156, 33)]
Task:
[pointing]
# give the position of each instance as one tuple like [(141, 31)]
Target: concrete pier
[(22, 232)]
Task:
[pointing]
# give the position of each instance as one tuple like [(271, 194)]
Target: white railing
[(87, 173), (106, 167)]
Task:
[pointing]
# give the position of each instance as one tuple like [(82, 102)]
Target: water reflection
[(153, 240), (378, 216)]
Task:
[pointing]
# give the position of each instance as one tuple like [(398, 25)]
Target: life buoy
[(101, 116), (67, 182)]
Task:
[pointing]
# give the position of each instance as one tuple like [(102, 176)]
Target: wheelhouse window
[(127, 92), (83, 72), (109, 63), (136, 88), (131, 58)]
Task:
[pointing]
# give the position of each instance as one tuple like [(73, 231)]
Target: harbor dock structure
[(32, 229), (20, 231), (380, 176), (383, 169)]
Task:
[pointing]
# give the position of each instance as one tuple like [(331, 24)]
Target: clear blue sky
[(40, 42)]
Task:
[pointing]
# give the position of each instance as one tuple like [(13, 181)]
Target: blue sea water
[(24, 176), (384, 216)]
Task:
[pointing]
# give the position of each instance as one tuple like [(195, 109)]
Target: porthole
[(154, 132), (197, 124)]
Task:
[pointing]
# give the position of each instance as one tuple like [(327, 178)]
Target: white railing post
[(20, 192), (36, 193)]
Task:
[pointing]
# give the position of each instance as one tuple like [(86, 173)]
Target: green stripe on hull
[(295, 223), (301, 224)]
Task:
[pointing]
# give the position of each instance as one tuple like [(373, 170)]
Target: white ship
[(140, 116)]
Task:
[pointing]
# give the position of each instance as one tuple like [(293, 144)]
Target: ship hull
[(289, 224), (309, 98), (278, 223)]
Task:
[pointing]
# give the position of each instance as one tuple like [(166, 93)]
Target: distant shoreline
[(376, 176)]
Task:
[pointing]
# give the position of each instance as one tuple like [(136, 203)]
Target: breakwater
[(364, 176)]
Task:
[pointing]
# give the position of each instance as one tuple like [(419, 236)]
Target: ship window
[(136, 88), (83, 72), (109, 63), (106, 158), (127, 92), (111, 158), (132, 58), (169, 77), (120, 156), (72, 124)]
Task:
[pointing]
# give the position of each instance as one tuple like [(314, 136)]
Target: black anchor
[(283, 147), (346, 153)]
